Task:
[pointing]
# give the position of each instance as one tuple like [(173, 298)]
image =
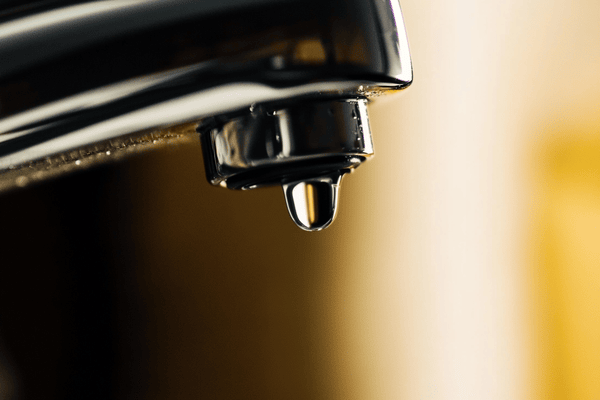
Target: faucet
[(276, 91)]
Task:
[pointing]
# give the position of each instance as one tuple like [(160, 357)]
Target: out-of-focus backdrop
[(464, 262)]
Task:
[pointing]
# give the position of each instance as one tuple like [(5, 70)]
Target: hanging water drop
[(312, 203)]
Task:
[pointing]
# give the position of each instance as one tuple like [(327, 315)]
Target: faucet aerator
[(305, 147)]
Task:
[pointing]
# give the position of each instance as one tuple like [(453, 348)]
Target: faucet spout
[(305, 147), (276, 89)]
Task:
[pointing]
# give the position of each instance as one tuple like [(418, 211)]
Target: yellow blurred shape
[(568, 271), (310, 51), (310, 201)]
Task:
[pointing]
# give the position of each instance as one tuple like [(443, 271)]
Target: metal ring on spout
[(267, 146)]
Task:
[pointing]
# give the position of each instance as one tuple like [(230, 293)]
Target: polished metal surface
[(266, 146), (306, 148), (76, 74)]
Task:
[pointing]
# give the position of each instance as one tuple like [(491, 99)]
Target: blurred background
[(464, 262)]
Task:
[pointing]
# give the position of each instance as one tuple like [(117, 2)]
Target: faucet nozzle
[(305, 147)]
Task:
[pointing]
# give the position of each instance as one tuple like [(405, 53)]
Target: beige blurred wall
[(456, 290), (463, 264)]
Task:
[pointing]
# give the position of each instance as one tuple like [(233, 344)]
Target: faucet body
[(276, 88)]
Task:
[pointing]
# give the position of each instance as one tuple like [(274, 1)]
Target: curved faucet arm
[(78, 75)]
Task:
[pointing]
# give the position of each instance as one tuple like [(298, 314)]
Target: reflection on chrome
[(90, 99)]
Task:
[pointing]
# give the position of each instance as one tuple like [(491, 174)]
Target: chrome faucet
[(275, 90)]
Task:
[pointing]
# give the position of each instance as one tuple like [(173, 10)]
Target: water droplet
[(252, 108), (354, 116), (78, 162), (312, 203), (108, 153)]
